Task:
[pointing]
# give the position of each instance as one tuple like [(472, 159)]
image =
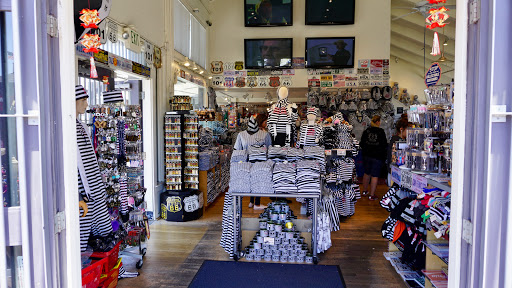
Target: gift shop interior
[(300, 132)]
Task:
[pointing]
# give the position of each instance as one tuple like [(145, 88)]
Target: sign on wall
[(217, 80), (433, 74), (133, 43), (149, 52), (112, 31)]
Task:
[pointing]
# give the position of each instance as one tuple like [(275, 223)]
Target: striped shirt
[(280, 120), (244, 140), (308, 135)]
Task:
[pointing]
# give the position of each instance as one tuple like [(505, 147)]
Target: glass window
[(14, 266), (181, 29), (8, 150), (187, 88)]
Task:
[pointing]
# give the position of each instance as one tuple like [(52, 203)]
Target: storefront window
[(187, 88), (8, 151), (14, 267)]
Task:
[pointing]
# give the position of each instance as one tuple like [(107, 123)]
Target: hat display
[(80, 92), (112, 96), (313, 110)]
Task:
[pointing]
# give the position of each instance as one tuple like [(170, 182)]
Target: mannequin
[(90, 184), (310, 132), (282, 118)]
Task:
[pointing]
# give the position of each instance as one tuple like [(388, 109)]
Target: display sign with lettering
[(396, 175), (433, 74)]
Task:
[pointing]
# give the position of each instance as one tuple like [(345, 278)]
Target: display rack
[(237, 219), (181, 150)]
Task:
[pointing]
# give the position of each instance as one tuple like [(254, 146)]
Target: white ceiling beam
[(401, 40), (417, 22), (418, 58)]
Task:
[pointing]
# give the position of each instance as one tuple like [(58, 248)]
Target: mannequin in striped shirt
[(310, 132), (282, 119)]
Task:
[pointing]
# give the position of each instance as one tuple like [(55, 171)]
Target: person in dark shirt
[(374, 146), (342, 56), (400, 134)]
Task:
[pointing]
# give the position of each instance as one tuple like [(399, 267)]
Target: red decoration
[(94, 73), (105, 80), (90, 18), (91, 43), (436, 1), (437, 18)]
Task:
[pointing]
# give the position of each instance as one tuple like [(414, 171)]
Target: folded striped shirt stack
[(240, 177), (257, 153), (239, 155), (315, 153), (204, 160), (294, 155), (277, 154), (261, 177), (308, 176), (284, 178), (345, 168)]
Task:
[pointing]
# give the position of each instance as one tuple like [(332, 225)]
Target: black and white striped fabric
[(123, 196), (261, 177), (315, 153), (344, 169), (112, 96), (240, 177), (388, 228), (308, 176), (281, 120), (227, 238), (80, 92), (278, 154), (204, 160), (284, 178), (294, 155), (257, 153), (244, 140), (308, 135), (239, 156), (252, 126), (92, 189)]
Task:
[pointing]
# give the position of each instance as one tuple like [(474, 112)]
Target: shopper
[(374, 145), (400, 134), (254, 135)]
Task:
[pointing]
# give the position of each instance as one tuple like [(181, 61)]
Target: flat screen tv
[(327, 53), (271, 53), (265, 13), (330, 12)]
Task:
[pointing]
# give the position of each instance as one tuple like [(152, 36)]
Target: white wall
[(371, 29), (147, 16)]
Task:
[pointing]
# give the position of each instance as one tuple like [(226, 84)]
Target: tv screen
[(330, 52), (264, 13), (269, 53), (330, 12)]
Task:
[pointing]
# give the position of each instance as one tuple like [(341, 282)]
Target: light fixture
[(125, 35), (442, 58), (187, 63), (210, 77), (194, 67), (445, 43), (201, 71)]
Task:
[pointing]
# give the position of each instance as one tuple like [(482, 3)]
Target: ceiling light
[(201, 72), (210, 77), (442, 58), (194, 67), (187, 63)]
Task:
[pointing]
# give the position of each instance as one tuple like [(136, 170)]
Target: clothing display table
[(237, 219)]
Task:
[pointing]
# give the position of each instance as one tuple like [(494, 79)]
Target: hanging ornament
[(437, 17), (436, 49), (91, 43), (105, 80), (90, 18), (94, 73), (436, 1)]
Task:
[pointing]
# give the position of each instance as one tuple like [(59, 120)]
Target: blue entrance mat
[(227, 274)]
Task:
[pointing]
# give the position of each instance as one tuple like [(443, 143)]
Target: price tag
[(418, 183), (396, 175), (341, 152)]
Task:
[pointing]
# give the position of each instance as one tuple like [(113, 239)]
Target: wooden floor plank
[(177, 250)]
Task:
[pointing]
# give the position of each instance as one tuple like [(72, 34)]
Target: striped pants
[(96, 222)]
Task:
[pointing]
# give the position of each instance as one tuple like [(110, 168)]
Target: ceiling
[(409, 37)]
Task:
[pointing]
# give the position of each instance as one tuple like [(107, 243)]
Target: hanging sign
[(252, 81), (112, 31), (102, 7), (217, 80), (275, 81), (286, 81), (263, 81), (314, 82), (133, 43), (229, 82), (433, 74), (239, 65), (149, 51), (217, 67), (240, 82)]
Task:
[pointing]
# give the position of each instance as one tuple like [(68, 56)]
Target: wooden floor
[(176, 250)]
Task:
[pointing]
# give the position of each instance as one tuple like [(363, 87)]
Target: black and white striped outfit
[(92, 189), (112, 96), (227, 238), (281, 119), (308, 135)]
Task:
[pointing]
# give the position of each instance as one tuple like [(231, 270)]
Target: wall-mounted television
[(332, 52), (330, 12), (268, 13), (271, 53)]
